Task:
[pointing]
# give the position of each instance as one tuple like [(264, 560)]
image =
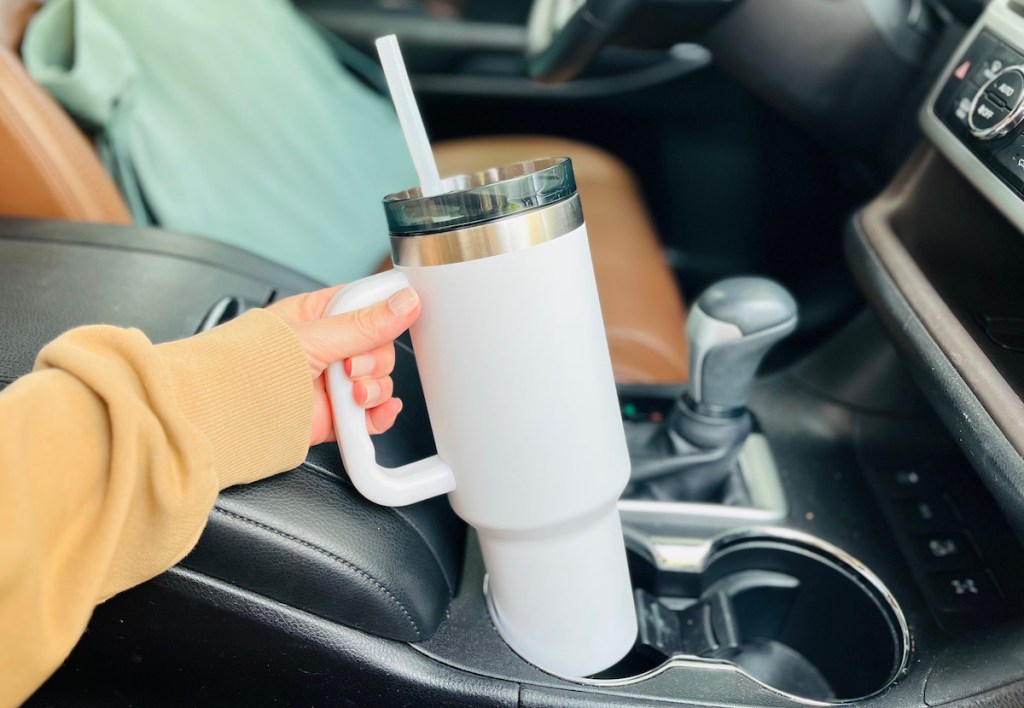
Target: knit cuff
[(247, 386)]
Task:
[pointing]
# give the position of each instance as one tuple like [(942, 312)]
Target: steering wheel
[(564, 35)]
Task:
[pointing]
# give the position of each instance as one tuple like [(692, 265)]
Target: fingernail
[(404, 301), (360, 365), (371, 392)]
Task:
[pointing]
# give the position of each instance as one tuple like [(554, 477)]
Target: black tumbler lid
[(481, 197)]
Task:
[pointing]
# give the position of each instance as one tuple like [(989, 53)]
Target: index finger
[(304, 306)]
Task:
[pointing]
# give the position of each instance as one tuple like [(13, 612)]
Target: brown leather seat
[(49, 169)]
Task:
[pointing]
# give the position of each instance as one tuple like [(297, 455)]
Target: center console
[(851, 554)]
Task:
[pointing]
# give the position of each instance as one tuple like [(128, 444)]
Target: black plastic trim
[(152, 240)]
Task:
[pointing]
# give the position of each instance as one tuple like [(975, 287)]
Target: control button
[(990, 63), (927, 514), (964, 592), (990, 68), (999, 105), (962, 69), (986, 117), (910, 483), (944, 552), (1011, 163), (975, 60), (960, 110), (1007, 89)]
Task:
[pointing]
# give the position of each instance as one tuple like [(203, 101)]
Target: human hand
[(363, 340)]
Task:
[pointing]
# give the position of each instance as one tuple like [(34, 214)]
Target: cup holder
[(792, 612)]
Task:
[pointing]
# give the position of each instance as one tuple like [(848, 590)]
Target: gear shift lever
[(732, 325)]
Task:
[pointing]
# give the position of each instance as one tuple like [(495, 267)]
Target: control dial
[(998, 107)]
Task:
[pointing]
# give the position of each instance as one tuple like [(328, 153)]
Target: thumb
[(342, 336)]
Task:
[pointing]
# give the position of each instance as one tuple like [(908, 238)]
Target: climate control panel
[(974, 114), (998, 106), (982, 103)]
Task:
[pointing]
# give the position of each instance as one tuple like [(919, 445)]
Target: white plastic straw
[(409, 115)]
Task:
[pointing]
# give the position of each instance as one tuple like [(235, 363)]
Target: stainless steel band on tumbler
[(487, 213), (510, 233)]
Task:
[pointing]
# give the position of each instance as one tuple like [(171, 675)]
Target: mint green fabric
[(234, 119)]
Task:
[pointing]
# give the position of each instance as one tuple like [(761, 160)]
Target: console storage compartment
[(945, 271)]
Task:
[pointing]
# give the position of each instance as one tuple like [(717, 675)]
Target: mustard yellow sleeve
[(111, 456)]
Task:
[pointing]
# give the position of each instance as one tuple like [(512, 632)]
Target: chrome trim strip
[(768, 501), (505, 235), (651, 545)]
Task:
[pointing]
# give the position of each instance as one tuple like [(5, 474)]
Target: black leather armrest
[(309, 539)]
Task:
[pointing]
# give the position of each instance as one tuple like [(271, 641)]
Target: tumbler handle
[(387, 486)]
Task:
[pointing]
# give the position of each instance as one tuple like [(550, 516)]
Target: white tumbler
[(517, 378)]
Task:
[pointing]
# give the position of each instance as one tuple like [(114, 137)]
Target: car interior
[(826, 508)]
